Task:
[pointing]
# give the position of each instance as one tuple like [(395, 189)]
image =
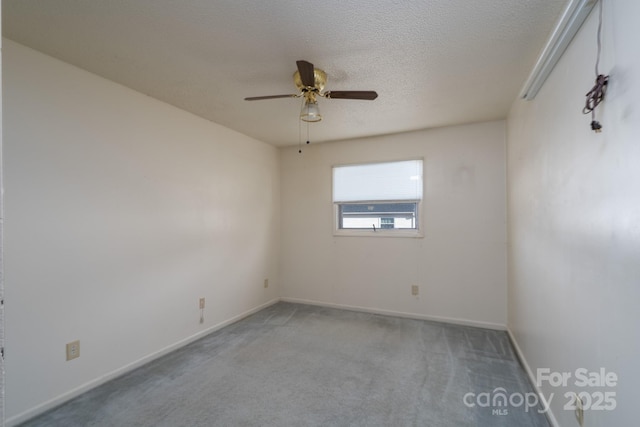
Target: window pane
[(378, 181), (378, 215)]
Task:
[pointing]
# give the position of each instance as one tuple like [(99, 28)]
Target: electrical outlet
[(266, 283), (73, 350), (415, 290), (201, 310)]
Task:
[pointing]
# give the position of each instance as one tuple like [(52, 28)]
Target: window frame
[(379, 232)]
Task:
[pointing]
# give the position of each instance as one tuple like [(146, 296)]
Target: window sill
[(414, 234)]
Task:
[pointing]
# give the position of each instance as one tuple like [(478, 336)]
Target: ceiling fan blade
[(306, 73), (258, 98), (368, 95)]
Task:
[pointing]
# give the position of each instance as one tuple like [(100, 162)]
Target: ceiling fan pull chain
[(299, 136)]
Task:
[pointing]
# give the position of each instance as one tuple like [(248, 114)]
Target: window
[(378, 197), (378, 215)]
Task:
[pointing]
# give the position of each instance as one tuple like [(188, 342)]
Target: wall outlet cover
[(73, 350)]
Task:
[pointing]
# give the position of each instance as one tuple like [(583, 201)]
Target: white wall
[(121, 211), (574, 219), (460, 264), (1, 251)]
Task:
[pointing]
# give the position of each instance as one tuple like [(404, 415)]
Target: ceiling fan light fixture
[(310, 111)]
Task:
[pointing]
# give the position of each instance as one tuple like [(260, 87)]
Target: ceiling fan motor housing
[(319, 80)]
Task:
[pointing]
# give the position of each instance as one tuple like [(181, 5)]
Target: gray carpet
[(299, 365)]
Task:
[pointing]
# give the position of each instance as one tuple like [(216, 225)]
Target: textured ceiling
[(432, 62)]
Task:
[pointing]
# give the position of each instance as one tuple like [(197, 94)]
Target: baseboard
[(532, 378), (465, 322), (59, 400)]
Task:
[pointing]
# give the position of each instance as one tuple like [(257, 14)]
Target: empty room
[(339, 213)]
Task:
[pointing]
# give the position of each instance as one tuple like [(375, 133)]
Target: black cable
[(597, 93)]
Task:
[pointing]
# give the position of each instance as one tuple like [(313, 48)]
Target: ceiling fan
[(310, 82)]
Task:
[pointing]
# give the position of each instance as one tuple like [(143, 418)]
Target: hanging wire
[(596, 94), (599, 36)]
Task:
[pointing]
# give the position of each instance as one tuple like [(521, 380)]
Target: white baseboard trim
[(532, 378), (56, 401), (456, 321)]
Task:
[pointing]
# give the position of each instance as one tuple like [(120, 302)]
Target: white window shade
[(378, 181)]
